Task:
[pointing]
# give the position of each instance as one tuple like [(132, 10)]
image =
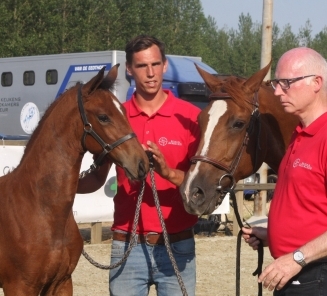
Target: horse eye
[(238, 125), (103, 118)]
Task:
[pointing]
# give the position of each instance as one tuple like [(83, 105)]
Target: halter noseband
[(230, 170), (88, 130)]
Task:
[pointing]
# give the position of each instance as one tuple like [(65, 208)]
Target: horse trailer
[(30, 84)]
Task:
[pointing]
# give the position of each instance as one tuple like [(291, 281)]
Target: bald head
[(304, 61)]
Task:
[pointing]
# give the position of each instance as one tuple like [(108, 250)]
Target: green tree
[(5, 33), (246, 47), (282, 42), (216, 50), (304, 36), (319, 43)]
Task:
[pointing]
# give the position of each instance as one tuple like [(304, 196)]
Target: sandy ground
[(216, 266), (215, 259)]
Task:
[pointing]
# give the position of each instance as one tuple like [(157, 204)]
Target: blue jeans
[(312, 280), (150, 265)]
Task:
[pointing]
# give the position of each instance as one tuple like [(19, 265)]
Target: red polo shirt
[(173, 128), (298, 211)]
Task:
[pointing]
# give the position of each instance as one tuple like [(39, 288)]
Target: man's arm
[(280, 271), (94, 180)]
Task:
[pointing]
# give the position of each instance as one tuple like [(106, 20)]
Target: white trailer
[(30, 84)]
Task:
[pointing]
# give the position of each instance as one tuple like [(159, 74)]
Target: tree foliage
[(30, 27)]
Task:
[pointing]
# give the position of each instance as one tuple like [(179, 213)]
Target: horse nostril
[(141, 170), (196, 195)]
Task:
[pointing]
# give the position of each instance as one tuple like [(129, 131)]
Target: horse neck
[(277, 128), (53, 156)]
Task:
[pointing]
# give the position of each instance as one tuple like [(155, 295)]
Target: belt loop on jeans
[(153, 238), (146, 238)]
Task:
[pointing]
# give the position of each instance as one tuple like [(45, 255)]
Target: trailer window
[(51, 77), (6, 79), (29, 78)]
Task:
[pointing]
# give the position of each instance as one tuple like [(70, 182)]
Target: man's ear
[(128, 69), (165, 66), (318, 80)]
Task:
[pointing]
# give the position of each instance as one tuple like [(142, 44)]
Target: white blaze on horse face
[(218, 109), (118, 106)]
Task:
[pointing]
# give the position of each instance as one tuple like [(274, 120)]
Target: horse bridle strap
[(231, 169), (88, 130), (209, 160)]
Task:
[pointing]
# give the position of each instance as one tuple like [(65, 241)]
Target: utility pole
[(260, 199), (266, 45)]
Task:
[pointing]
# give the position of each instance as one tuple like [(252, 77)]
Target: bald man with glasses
[(297, 221), (285, 83)]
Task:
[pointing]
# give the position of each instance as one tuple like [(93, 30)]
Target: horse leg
[(62, 288), (19, 289)]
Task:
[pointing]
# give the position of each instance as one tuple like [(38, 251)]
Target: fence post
[(96, 232), (259, 217)]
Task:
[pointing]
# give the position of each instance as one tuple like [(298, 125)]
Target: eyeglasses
[(285, 83)]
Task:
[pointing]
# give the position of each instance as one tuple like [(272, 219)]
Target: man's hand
[(252, 236), (278, 273), (175, 176), (160, 165)]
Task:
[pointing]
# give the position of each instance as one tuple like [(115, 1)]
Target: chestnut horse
[(40, 243), (243, 126)]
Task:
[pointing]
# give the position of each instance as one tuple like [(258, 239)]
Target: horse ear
[(211, 81), (94, 83), (110, 78), (254, 82)]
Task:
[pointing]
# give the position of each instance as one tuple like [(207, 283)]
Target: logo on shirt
[(164, 141), (298, 163)]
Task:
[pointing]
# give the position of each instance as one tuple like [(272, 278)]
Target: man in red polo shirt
[(297, 221), (166, 126)]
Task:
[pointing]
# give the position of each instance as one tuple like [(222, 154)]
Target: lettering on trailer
[(78, 69), (6, 103)]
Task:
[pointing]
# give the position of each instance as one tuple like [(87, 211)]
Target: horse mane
[(234, 86), (46, 114)]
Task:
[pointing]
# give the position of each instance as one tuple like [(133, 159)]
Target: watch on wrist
[(299, 258)]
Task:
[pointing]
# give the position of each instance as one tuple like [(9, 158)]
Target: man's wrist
[(299, 258)]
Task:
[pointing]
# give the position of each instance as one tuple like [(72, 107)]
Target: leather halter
[(230, 170), (88, 130)]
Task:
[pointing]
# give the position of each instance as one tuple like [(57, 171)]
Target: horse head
[(107, 132), (243, 126)]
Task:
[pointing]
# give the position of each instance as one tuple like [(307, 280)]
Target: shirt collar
[(165, 110), (314, 127)]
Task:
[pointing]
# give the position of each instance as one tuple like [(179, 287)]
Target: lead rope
[(163, 226), (133, 240), (258, 271), (165, 235), (133, 236)]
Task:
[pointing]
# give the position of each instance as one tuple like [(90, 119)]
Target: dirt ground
[(215, 259)]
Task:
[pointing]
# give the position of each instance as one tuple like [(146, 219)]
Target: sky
[(293, 12)]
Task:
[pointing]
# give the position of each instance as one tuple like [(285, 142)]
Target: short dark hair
[(143, 42)]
